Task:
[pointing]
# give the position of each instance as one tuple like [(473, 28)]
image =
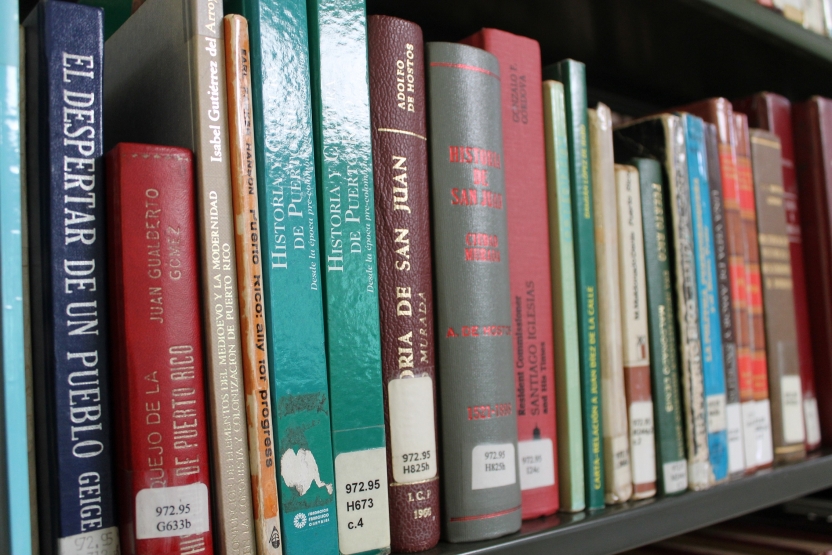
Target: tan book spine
[(617, 476), (255, 362)]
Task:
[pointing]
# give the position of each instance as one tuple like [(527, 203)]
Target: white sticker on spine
[(412, 429), (675, 476), (810, 411), (749, 433), (171, 512), (736, 453), (764, 441), (716, 413), (493, 466), (621, 460), (361, 501), (791, 400), (642, 442), (97, 542), (537, 463)]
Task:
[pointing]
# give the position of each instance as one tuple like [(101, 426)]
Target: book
[(662, 137), (573, 76), (634, 326), (617, 475), (161, 429), (249, 264), (774, 113), (713, 366), (405, 284), (285, 163), (116, 12), (529, 268), (733, 412), (566, 357), (813, 16), (753, 295), (69, 312), (474, 323), (341, 118), (164, 83), (776, 271)]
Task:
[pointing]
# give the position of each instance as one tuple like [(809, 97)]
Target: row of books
[(815, 15)]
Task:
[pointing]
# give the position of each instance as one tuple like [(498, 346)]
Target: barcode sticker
[(361, 500), (537, 463), (791, 400), (97, 542), (412, 429), (493, 466), (810, 411), (716, 413), (642, 442), (675, 475), (171, 512), (736, 453)]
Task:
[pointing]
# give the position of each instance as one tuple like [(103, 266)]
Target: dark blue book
[(64, 66)]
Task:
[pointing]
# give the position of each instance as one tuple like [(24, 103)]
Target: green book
[(341, 109), (116, 13), (664, 358), (573, 76), (285, 158), (564, 307)]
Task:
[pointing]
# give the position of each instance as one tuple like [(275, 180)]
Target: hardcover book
[(341, 116), (164, 83), (405, 284), (573, 76), (250, 288), (566, 355), (531, 281), (69, 312), (617, 477), (116, 12), (474, 323), (788, 432), (161, 429), (285, 162), (634, 328)]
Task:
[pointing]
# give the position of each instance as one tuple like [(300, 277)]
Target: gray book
[(164, 83)]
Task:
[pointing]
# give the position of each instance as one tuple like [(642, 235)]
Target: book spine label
[(402, 201), (473, 300), (163, 455), (636, 353), (285, 162), (618, 479), (255, 363), (566, 354), (347, 213), (713, 368), (781, 333)]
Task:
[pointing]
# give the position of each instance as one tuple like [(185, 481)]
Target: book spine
[(781, 333), (566, 354), (531, 282), (255, 363), (402, 201), (635, 350), (617, 475), (69, 313), (347, 214), (713, 367), (163, 442), (733, 412), (573, 76), (285, 162), (664, 358), (472, 298), (754, 296)]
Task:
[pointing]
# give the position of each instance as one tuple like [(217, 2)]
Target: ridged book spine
[(405, 282), (249, 263), (164, 83), (713, 366), (788, 432), (161, 428), (671, 464), (69, 311), (573, 76), (634, 332), (285, 162), (566, 355), (617, 476), (341, 116), (531, 281), (474, 323)]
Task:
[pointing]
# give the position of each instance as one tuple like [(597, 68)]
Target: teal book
[(341, 110), (713, 368), (15, 523), (285, 163), (573, 76)]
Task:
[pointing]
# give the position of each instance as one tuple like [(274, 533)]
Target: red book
[(162, 443), (773, 112), (531, 285)]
